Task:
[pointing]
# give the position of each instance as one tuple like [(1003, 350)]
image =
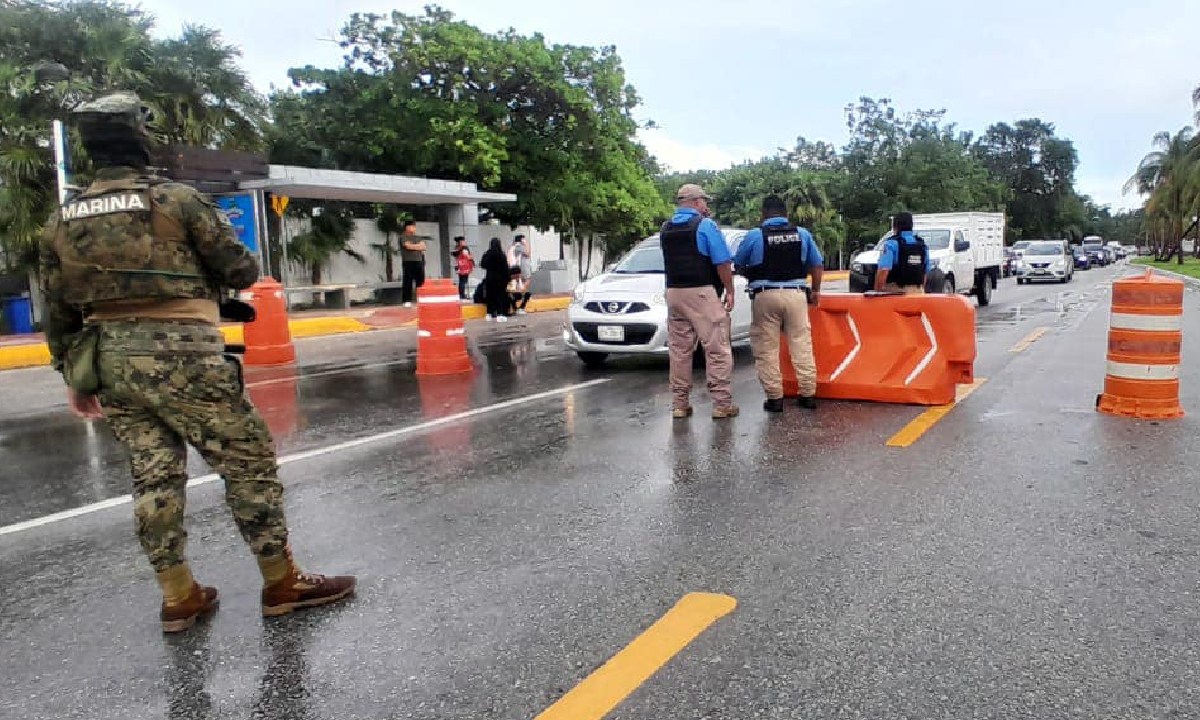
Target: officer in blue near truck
[(903, 259)]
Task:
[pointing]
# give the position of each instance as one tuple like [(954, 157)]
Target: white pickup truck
[(966, 251)]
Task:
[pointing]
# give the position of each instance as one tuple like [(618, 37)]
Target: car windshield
[(1020, 245), (1046, 249), (1091, 248), (644, 260)]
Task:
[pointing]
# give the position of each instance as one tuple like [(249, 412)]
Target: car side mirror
[(962, 245)]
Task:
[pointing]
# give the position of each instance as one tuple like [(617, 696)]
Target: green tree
[(1039, 169), (1170, 176), (913, 162), (433, 95), (329, 234), (389, 221), (192, 83)]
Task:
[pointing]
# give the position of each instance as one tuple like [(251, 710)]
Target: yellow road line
[(913, 431), (1028, 340), (604, 689)]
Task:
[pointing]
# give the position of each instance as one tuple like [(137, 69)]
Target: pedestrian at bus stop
[(495, 281), (464, 264), (521, 271), (699, 279), (133, 273), (777, 258), (412, 262), (903, 259)]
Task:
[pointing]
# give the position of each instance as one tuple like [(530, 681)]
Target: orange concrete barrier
[(441, 337), (1145, 341), (268, 339), (911, 349)]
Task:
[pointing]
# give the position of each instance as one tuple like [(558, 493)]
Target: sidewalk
[(21, 351)]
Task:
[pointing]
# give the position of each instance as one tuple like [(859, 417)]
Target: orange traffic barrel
[(1145, 340), (441, 337), (268, 338)]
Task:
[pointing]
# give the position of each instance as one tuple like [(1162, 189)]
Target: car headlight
[(856, 267), (1060, 263), (658, 298), (577, 295)]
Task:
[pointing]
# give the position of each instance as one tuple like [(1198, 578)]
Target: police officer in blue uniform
[(903, 260), (777, 258)]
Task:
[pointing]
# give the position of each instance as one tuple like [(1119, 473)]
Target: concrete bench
[(338, 296)]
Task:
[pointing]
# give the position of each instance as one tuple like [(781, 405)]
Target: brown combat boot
[(177, 617), (298, 590)]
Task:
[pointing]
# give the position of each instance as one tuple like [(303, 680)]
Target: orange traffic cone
[(441, 337), (1145, 339), (268, 338)]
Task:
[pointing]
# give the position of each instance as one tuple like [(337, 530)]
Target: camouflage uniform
[(164, 384)]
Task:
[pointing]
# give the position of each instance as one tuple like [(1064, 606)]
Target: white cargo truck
[(966, 252)]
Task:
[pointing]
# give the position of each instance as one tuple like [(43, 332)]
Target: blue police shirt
[(890, 251), (709, 238), (750, 254)]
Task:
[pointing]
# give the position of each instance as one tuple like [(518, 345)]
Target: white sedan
[(624, 311)]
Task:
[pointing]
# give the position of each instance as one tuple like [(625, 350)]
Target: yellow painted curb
[(315, 327), (479, 312), (233, 334), (22, 356), (38, 354)]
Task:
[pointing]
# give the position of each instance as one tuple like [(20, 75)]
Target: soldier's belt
[(150, 338)]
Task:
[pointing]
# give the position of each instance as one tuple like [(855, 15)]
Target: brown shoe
[(181, 616), (681, 413), (727, 412), (304, 590)]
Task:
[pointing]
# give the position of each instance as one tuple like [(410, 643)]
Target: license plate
[(610, 333), (1041, 272)]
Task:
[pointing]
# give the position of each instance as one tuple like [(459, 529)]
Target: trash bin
[(18, 314)]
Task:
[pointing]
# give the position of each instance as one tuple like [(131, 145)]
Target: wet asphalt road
[(1027, 558)]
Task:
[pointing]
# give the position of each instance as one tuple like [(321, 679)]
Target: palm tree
[(1170, 175), (328, 235), (193, 83), (390, 222)]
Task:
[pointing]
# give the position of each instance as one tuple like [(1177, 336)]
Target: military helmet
[(113, 129)]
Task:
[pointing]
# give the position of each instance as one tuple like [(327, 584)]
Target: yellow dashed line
[(1028, 340), (606, 688), (918, 427)]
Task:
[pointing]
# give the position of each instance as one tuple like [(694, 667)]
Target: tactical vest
[(116, 243), (685, 265), (910, 262), (783, 256)]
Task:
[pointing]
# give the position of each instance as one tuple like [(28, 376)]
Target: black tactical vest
[(686, 266), (783, 255)]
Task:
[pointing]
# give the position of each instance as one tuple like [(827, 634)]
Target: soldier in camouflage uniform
[(133, 270)]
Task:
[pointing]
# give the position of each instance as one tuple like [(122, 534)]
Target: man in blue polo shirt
[(698, 268), (903, 259), (777, 258)]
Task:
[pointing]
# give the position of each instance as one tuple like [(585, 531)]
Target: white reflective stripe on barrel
[(1127, 321), (424, 333), (1131, 371), (438, 299), (457, 331)]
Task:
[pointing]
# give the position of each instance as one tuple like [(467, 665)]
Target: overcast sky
[(729, 81)]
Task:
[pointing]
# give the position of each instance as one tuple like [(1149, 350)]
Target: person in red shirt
[(464, 264)]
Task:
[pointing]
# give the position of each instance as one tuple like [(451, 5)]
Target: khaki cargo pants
[(776, 313), (697, 315)]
